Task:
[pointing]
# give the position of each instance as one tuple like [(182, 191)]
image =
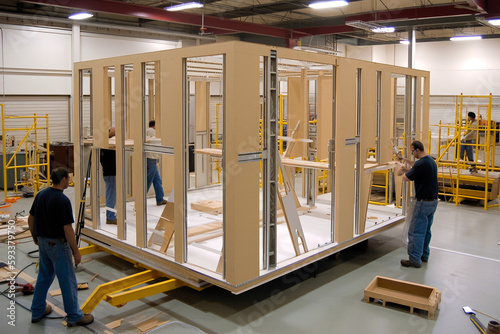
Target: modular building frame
[(217, 105)]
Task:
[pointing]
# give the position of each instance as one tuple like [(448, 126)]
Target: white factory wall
[(469, 67), (37, 67)]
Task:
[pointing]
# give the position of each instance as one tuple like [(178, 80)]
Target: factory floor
[(326, 297)]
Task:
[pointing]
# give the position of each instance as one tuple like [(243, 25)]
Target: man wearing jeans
[(153, 176), (108, 163), (424, 175), (50, 222), (469, 138)]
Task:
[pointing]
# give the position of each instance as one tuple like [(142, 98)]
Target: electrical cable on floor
[(477, 311)]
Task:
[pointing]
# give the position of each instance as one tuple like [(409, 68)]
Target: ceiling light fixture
[(495, 22), (328, 4), (80, 16), (404, 41), (182, 6), (383, 30), (465, 38), (368, 26)]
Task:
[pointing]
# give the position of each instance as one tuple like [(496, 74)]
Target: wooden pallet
[(409, 294)]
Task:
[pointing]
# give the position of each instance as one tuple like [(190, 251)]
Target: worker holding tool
[(50, 222), (424, 174)]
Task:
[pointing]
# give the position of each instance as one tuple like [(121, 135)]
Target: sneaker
[(86, 320), (111, 222), (162, 202), (408, 263), (48, 309)]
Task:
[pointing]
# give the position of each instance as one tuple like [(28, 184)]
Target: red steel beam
[(159, 14)]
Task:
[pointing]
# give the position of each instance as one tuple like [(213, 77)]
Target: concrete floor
[(326, 297)]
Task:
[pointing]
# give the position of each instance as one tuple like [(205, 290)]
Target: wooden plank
[(138, 166), (368, 134), (425, 111), (324, 112), (297, 111), (121, 187), (241, 180), (345, 154), (208, 206)]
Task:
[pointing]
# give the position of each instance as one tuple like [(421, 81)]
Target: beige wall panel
[(418, 108), (387, 116), (298, 111), (94, 194), (121, 188), (100, 122), (241, 180), (138, 135), (324, 110), (425, 111), (201, 105), (345, 155), (157, 99), (78, 153), (368, 134), (171, 122)]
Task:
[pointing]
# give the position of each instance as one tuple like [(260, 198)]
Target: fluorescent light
[(328, 4), (404, 41), (380, 30), (465, 38), (80, 16), (182, 6), (495, 22)]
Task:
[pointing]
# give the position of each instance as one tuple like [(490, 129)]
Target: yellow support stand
[(119, 292)]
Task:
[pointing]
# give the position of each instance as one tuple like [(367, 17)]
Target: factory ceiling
[(275, 22)]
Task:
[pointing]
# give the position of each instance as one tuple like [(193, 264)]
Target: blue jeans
[(466, 150), (154, 178), (110, 182), (56, 259), (419, 232)]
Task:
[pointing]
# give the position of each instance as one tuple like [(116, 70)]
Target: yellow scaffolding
[(462, 179), (32, 149)]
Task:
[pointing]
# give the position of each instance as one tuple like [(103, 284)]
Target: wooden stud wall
[(241, 124), (297, 110)]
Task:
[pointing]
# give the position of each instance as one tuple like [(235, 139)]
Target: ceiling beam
[(159, 14), (391, 15)]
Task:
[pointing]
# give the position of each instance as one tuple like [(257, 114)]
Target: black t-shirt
[(52, 210), (108, 162), (424, 174)]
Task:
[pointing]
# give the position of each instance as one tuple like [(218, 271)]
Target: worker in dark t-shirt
[(50, 222), (424, 175)]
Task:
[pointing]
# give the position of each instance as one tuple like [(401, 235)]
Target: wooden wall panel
[(241, 180), (138, 165), (368, 134), (202, 104), (324, 110), (345, 154), (387, 116), (425, 111), (297, 110), (171, 110), (121, 188), (101, 121)]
